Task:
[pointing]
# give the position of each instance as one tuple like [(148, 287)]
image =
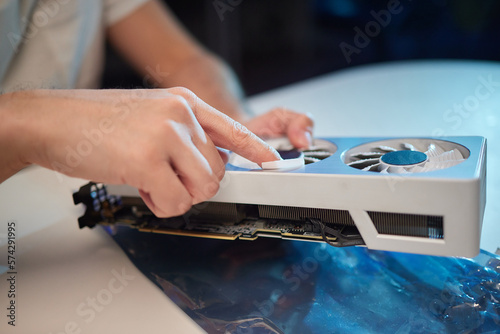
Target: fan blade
[(384, 170), (435, 165), (396, 170), (447, 156), (419, 169), (385, 148), (319, 154), (409, 147), (372, 168), (457, 155), (363, 163), (310, 160), (434, 150), (366, 155)]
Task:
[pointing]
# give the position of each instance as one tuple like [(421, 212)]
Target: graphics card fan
[(319, 150), (406, 155)]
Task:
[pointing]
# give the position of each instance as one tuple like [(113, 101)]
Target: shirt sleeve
[(115, 10)]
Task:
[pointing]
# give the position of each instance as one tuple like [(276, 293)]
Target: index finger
[(229, 134)]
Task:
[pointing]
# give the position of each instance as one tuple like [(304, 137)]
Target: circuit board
[(227, 221)]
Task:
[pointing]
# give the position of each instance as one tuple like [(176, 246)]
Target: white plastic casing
[(456, 193)]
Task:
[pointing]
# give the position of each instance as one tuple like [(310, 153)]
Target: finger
[(300, 129), (189, 132), (229, 134), (271, 124), (211, 153), (224, 154), (164, 193), (236, 137), (198, 165)]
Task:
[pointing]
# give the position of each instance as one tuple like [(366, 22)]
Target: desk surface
[(69, 279)]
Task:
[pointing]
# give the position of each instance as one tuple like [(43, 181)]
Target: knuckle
[(283, 114), (177, 103), (160, 213), (241, 135), (183, 206), (278, 120), (220, 173), (210, 189), (307, 119), (179, 110), (184, 92)]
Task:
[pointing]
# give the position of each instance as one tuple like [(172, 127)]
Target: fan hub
[(403, 158)]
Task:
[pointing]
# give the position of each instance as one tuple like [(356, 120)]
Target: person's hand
[(281, 122), (162, 142)]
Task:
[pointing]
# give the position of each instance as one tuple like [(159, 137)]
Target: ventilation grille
[(403, 224), (341, 217), (411, 225), (212, 211)]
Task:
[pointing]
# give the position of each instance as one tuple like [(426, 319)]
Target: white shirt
[(55, 43)]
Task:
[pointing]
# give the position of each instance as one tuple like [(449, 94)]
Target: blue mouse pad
[(281, 286)]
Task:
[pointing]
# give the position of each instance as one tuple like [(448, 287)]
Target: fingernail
[(276, 152), (306, 140)]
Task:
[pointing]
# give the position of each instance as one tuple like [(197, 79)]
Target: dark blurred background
[(274, 43)]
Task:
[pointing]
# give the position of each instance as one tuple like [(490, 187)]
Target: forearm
[(13, 146), (166, 56), (37, 126)]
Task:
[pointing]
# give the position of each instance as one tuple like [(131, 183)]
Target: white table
[(70, 280), (67, 279)]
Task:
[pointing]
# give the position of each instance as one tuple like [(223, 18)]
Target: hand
[(162, 142), (283, 122)]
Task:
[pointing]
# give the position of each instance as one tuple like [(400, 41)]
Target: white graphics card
[(416, 195)]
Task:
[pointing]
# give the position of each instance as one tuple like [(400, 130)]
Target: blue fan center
[(401, 158)]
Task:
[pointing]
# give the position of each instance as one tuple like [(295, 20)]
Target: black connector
[(99, 206)]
